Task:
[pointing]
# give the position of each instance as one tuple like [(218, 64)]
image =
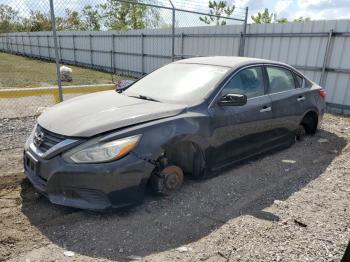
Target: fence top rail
[(310, 34)]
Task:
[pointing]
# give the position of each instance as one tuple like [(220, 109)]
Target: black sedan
[(193, 117)]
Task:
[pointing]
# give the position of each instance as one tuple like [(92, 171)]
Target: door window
[(247, 82), (280, 79), (299, 80)]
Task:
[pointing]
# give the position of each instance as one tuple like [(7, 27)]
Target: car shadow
[(195, 211)]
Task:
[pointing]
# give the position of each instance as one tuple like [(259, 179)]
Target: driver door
[(242, 131)]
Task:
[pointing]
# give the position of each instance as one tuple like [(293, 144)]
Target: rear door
[(241, 131), (288, 101)]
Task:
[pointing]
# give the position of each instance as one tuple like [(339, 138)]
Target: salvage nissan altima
[(194, 117)]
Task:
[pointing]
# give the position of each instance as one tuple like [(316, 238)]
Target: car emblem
[(38, 138)]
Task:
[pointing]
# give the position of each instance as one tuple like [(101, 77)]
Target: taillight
[(322, 93)]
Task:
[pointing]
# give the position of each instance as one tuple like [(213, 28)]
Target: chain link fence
[(103, 41)]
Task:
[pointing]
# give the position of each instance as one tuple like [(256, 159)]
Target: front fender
[(157, 137)]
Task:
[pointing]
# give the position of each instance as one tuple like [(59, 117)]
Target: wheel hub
[(173, 177)]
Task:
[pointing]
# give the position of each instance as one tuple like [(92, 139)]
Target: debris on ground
[(333, 151), (322, 140), (299, 223), (68, 253), (278, 202), (133, 258), (66, 73), (183, 249), (289, 161)]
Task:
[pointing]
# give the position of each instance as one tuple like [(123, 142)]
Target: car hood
[(95, 113)]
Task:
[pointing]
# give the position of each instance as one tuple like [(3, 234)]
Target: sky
[(315, 9), (291, 9)]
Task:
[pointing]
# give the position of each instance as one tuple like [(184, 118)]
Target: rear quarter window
[(308, 84), (280, 79)]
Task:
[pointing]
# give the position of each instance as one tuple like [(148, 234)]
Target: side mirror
[(233, 100)]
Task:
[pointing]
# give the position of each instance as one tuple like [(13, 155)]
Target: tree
[(218, 9), (72, 21), (266, 18), (263, 17), (280, 20), (9, 19), (302, 19), (123, 16), (37, 21), (153, 18), (91, 18)]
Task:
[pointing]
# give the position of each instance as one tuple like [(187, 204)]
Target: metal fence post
[(326, 59), (53, 25), (17, 44), (48, 46), (113, 53), (142, 56), (91, 53), (38, 41), (111, 64), (74, 54), (182, 44), (243, 35), (23, 46), (172, 32), (30, 45), (9, 46), (60, 48)]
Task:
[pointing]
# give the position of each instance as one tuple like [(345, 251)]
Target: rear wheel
[(310, 122), (300, 134)]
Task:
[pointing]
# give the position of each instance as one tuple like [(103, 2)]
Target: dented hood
[(96, 113)]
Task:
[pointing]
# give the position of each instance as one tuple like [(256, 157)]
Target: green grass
[(17, 71)]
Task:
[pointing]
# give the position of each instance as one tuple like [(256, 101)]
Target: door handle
[(265, 109), (301, 98)]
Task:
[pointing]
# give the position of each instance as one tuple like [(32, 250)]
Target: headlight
[(94, 151)]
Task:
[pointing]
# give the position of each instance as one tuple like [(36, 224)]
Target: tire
[(310, 124), (301, 133), (199, 170)]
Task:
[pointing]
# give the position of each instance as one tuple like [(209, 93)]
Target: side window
[(280, 79), (299, 81), (249, 82)]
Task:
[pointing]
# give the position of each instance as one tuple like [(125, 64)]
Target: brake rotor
[(173, 178)]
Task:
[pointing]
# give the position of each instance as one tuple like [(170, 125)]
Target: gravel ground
[(264, 210)]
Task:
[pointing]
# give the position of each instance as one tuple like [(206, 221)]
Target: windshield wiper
[(145, 98)]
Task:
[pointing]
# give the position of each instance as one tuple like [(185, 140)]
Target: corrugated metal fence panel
[(134, 54), (339, 83)]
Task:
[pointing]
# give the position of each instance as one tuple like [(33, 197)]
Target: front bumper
[(89, 186)]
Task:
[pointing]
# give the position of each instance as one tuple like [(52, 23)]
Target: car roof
[(228, 61)]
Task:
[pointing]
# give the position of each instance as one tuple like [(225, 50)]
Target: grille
[(44, 139)]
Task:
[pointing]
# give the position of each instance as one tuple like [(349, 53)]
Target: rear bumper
[(89, 186)]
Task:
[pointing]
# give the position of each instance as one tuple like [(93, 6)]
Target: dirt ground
[(264, 210)]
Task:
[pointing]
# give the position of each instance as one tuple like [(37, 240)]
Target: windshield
[(178, 83)]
